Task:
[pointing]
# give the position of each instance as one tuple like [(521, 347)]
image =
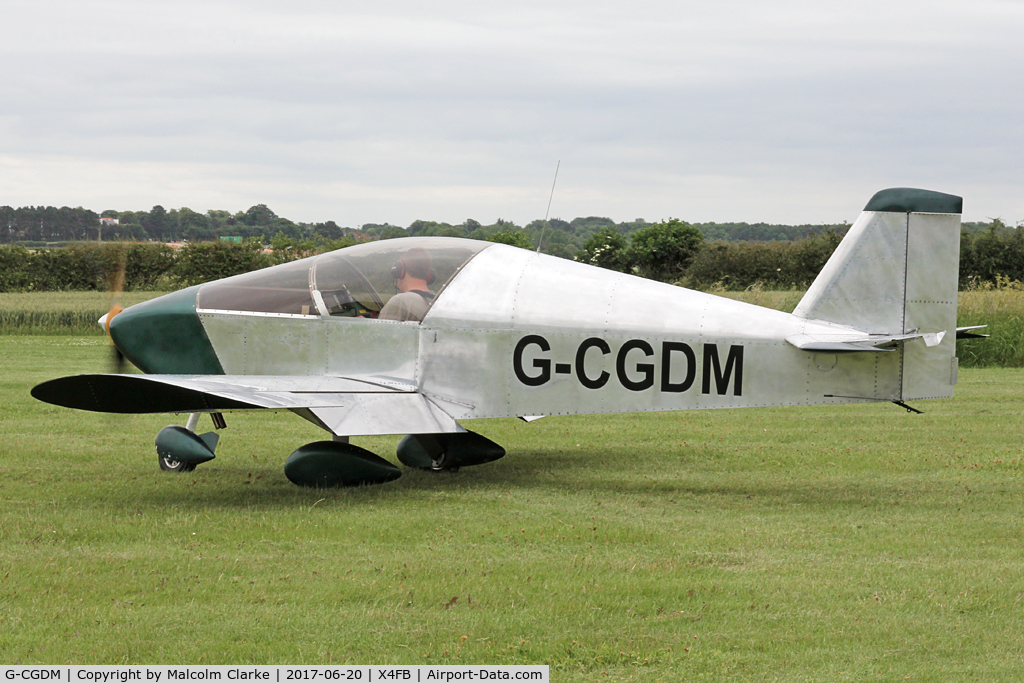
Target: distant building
[(108, 221)]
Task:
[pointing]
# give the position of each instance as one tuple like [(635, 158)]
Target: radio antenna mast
[(546, 213)]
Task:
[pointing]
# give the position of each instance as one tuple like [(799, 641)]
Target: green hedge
[(146, 265), (84, 267), (992, 256), (773, 265), (199, 262)]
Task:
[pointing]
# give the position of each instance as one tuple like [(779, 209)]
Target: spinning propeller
[(115, 285)]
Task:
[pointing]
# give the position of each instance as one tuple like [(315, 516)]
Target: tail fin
[(896, 272)]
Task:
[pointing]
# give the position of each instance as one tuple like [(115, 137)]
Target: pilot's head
[(413, 271)]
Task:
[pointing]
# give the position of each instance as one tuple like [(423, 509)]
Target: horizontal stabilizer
[(968, 333), (849, 343)]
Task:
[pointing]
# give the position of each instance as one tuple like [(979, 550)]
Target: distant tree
[(283, 225), (417, 227), (374, 230), (607, 249), (187, 218), (259, 215), (195, 233), (157, 224), (132, 217), (514, 238), (328, 230), (133, 231), (390, 232), (560, 244), (285, 249), (629, 227), (992, 254), (7, 224), (435, 229), (764, 232), (586, 224), (663, 251), (219, 218)]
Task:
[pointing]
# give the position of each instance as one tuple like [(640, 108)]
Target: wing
[(343, 405)]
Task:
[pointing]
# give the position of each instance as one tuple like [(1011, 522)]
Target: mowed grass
[(826, 543)]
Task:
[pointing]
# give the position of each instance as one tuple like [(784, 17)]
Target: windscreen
[(360, 280), (280, 289), (355, 282)]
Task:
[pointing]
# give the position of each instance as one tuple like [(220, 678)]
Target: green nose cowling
[(164, 336)]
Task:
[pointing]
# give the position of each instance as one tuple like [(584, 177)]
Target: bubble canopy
[(354, 282)]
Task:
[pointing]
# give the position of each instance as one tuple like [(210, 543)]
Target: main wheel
[(170, 465), (327, 464), (447, 452), (441, 462)]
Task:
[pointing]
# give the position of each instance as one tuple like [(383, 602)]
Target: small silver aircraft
[(482, 330)]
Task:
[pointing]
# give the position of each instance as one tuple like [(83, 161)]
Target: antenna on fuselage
[(545, 226)]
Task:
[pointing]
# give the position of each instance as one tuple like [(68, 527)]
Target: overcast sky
[(787, 112)]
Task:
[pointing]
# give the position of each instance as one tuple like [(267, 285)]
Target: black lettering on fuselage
[(542, 364), (633, 369), (667, 349), (645, 369), (713, 366), (581, 359)]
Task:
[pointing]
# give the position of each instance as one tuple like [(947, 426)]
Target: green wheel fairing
[(329, 464), (165, 336)]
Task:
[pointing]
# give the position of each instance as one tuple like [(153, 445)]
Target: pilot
[(413, 277)]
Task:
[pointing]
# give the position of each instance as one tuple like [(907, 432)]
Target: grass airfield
[(825, 543)]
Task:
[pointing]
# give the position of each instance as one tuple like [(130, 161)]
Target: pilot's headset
[(416, 262)]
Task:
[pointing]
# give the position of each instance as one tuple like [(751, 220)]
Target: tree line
[(141, 266), (41, 226), (48, 226), (694, 255), (670, 251)]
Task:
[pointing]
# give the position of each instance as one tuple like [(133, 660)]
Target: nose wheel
[(171, 465), (180, 449)]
